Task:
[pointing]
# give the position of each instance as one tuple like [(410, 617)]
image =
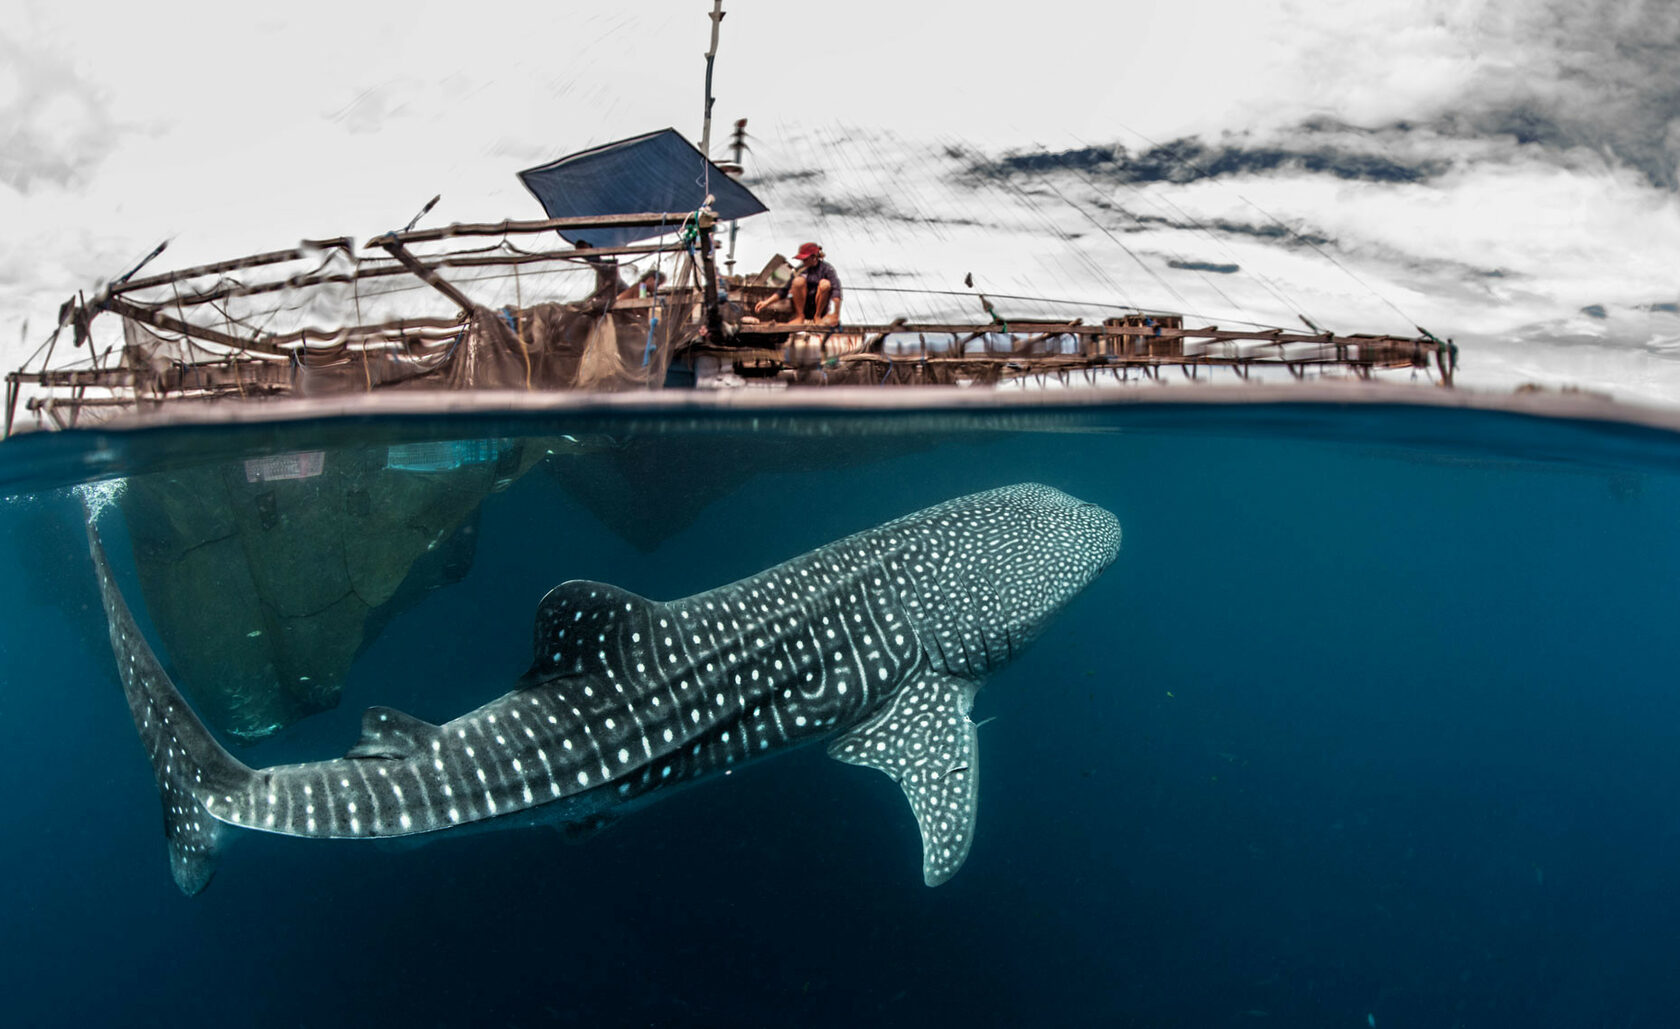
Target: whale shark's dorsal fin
[(389, 733), (582, 625), (924, 740)]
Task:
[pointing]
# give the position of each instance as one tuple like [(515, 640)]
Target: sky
[(1502, 173)]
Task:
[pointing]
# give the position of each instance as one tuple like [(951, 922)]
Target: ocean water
[(1373, 722)]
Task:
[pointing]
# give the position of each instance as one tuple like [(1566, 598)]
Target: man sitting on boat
[(813, 295), (645, 287)]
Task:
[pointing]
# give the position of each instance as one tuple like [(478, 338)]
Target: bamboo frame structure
[(224, 362)]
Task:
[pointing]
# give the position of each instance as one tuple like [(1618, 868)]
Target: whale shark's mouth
[(1099, 526), (1110, 523)]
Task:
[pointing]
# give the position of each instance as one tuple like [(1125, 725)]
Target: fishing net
[(586, 345)]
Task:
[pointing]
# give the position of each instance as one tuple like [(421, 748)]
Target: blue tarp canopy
[(659, 171)]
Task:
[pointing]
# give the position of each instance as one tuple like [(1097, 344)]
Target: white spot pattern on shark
[(877, 643)]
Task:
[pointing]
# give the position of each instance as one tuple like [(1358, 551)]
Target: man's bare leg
[(797, 294), (825, 290)]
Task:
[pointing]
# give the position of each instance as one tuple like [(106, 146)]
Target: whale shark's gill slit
[(968, 655), (993, 615), (921, 607)]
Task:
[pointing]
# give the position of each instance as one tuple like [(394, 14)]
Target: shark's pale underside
[(876, 643)]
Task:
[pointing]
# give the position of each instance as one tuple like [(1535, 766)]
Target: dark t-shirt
[(815, 274)]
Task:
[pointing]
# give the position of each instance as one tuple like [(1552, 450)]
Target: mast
[(707, 219), (711, 55)]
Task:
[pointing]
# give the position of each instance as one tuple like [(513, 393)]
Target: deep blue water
[(1374, 717)]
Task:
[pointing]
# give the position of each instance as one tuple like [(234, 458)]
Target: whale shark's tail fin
[(190, 765)]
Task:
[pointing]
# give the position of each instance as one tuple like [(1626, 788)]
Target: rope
[(1279, 223), (1092, 182), (1183, 302), (1166, 203), (1067, 238), (1056, 300), (653, 325), (47, 345)]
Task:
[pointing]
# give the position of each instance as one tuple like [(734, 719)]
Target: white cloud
[(53, 124)]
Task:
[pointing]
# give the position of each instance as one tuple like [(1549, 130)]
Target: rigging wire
[(1067, 238), (51, 339), (1331, 258), (1164, 202), (1276, 221), (1090, 180), (1265, 281), (1057, 300), (960, 150), (1183, 301), (908, 217)]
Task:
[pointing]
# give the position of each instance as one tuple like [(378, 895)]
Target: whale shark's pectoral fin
[(389, 733), (924, 740)]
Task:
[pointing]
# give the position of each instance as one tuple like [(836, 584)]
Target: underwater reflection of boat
[(647, 489), (267, 576)]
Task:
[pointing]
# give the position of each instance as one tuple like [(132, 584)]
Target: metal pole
[(711, 55), (11, 401), (740, 144), (707, 220), (424, 274)]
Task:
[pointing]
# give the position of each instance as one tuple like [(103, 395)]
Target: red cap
[(808, 250)]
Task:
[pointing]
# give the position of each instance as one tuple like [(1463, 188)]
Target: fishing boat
[(491, 309), (429, 309)]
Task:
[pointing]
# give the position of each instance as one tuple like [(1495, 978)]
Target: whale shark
[(875, 644)]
